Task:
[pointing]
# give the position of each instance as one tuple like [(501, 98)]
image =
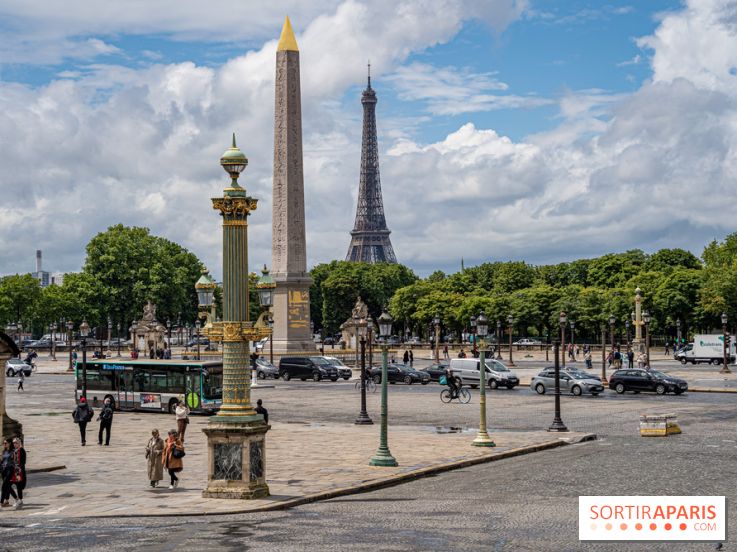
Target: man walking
[(106, 422), (81, 415), (21, 379)]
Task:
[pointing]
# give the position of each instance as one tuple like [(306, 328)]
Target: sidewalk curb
[(381, 483), (46, 469)]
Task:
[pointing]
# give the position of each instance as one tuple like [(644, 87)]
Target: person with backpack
[(106, 422), (173, 454), (81, 415)]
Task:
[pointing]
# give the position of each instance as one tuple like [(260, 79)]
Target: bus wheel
[(173, 405), (112, 400)]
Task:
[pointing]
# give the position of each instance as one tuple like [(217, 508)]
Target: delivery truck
[(707, 348)]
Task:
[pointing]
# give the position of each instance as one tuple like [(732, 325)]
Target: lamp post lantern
[(499, 339), (562, 320), (117, 336), (725, 344), (573, 340), (383, 457), (361, 327), (612, 321), (646, 323), (265, 288), (236, 436), (678, 334), (510, 321), (602, 329), (436, 320), (84, 331), (627, 325), (482, 437)]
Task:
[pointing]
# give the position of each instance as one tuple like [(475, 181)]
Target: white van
[(497, 374)]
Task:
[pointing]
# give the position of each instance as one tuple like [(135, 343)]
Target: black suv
[(306, 367), (646, 380)]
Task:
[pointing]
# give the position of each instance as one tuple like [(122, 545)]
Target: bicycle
[(463, 396), (370, 386)]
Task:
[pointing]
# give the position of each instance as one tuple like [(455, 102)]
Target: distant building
[(57, 279), (44, 277)]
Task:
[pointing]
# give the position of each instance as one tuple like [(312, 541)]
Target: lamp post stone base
[(236, 454)]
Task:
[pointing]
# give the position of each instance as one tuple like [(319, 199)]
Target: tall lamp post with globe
[(482, 437), (510, 321), (265, 286), (383, 457), (725, 346), (84, 331)]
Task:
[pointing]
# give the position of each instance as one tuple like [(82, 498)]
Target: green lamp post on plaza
[(510, 321), (725, 346), (236, 436), (383, 456), (84, 331), (646, 323), (265, 286), (70, 327), (482, 437)]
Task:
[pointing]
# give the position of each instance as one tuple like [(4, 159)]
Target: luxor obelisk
[(289, 251)]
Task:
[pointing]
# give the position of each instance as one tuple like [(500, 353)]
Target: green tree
[(20, 293)]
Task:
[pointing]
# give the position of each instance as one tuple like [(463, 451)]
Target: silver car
[(14, 366), (264, 369), (572, 381)]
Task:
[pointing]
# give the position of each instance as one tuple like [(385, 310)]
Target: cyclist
[(452, 382)]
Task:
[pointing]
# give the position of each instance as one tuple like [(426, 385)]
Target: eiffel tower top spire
[(370, 237)]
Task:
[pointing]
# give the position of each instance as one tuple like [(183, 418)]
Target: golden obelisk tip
[(287, 40)]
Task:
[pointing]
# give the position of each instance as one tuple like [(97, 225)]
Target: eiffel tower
[(370, 237)]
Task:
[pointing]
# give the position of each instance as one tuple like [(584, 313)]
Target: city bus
[(153, 385)]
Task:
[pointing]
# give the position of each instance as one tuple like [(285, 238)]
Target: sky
[(508, 129)]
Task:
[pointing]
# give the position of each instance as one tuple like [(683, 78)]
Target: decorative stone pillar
[(236, 436), (11, 428)]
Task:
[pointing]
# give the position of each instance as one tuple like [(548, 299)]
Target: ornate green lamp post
[(482, 437), (383, 457), (84, 331), (236, 436)]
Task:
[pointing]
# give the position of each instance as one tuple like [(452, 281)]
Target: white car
[(527, 341)]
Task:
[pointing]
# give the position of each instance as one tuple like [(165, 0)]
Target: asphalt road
[(524, 503)]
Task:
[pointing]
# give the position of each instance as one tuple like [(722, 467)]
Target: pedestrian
[(461, 354), (18, 478), (445, 352), (610, 359), (630, 358), (21, 379), (106, 422), (641, 360), (151, 353), (154, 452), (405, 357), (172, 459), (587, 359), (617, 359), (667, 348), (181, 414), (81, 415), (261, 410), (7, 468), (74, 357), (411, 357)]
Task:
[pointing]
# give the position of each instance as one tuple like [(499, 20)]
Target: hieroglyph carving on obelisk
[(289, 249)]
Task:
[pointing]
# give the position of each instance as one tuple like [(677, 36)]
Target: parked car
[(264, 369), (527, 341), (193, 342), (497, 374), (400, 373), (572, 381), (343, 370), (435, 371), (14, 366), (316, 368), (414, 341), (646, 380), (330, 341)]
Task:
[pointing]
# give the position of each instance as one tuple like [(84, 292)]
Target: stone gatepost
[(11, 428)]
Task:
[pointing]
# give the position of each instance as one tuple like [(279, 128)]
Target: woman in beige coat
[(154, 452)]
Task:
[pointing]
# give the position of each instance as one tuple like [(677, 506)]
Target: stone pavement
[(303, 461)]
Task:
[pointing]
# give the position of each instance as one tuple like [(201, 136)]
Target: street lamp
[(482, 437), (725, 342), (646, 322), (473, 335), (499, 339), (612, 321), (134, 336), (573, 339), (437, 337), (84, 331), (117, 336), (558, 424), (109, 332), (383, 457), (361, 327), (188, 326), (70, 327), (510, 320), (265, 288), (627, 325), (678, 334), (197, 325), (52, 327), (562, 320)]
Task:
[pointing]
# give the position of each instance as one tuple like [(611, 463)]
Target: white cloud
[(452, 91)]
